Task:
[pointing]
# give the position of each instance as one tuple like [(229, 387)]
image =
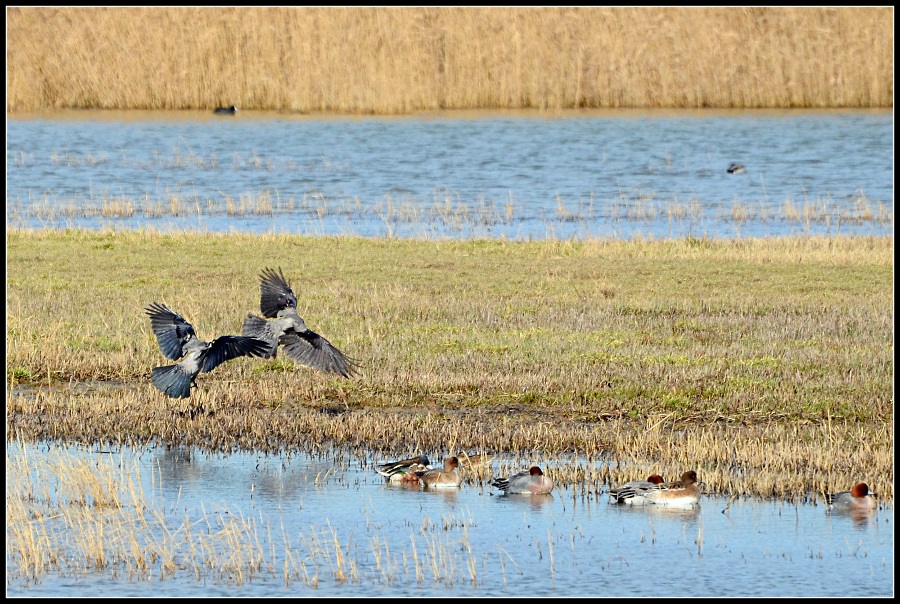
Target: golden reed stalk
[(399, 60)]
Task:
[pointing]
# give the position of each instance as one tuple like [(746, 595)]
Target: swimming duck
[(857, 498), (684, 492), (736, 169), (447, 477), (531, 482), (404, 471), (625, 493), (226, 110)]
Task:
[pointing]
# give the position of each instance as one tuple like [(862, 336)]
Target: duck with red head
[(857, 498), (532, 482), (684, 492)]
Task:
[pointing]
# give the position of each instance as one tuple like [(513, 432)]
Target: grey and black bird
[(282, 326), (178, 339)]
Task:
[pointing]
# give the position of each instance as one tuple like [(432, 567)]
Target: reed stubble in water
[(430, 58), (437, 215), (766, 365), (76, 514)]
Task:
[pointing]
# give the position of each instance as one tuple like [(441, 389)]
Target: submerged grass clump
[(767, 365)]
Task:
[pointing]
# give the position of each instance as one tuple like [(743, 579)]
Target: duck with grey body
[(530, 482)]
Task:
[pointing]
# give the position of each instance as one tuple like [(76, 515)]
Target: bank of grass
[(766, 364), (397, 60)]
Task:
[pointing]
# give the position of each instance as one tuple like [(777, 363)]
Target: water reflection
[(668, 511), (660, 511), (404, 486), (450, 496), (174, 464), (536, 501), (859, 516), (277, 484)]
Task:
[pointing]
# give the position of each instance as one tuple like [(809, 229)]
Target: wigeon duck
[(441, 478), (682, 493), (282, 326), (736, 169), (177, 339), (532, 482), (626, 493), (226, 110), (857, 498), (404, 471)]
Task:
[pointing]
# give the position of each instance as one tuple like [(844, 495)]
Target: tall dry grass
[(397, 60)]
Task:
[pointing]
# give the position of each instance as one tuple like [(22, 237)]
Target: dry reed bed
[(766, 365), (399, 60)]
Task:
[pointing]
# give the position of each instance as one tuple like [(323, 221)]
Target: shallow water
[(457, 175), (330, 526)]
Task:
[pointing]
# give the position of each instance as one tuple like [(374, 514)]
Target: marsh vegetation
[(767, 365), (385, 60), (446, 213)]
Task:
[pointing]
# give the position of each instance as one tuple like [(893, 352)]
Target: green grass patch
[(701, 328)]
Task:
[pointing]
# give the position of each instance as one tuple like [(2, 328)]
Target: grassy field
[(767, 365), (400, 60)]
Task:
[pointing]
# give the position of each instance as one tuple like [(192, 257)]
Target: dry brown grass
[(399, 60)]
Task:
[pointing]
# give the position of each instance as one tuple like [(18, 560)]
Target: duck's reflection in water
[(450, 495), (535, 501), (176, 468), (860, 516), (665, 513)]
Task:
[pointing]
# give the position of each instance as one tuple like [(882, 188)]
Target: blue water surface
[(305, 513), (518, 176)]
